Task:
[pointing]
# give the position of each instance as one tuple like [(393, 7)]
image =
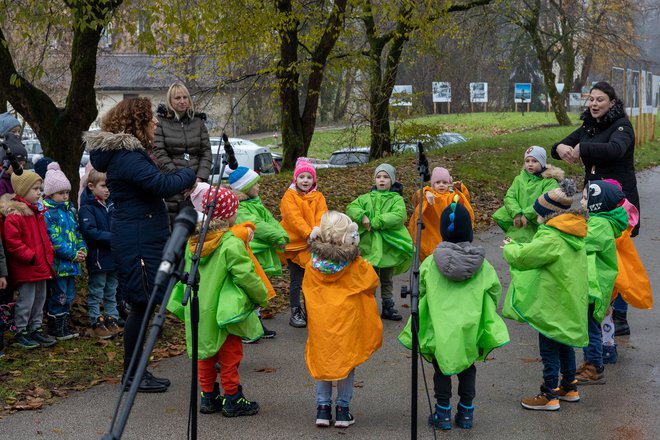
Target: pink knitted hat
[(440, 173), (303, 165), (55, 180), (197, 196)]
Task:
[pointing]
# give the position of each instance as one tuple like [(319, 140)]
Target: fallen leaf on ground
[(264, 370)]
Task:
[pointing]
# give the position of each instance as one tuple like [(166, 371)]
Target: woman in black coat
[(140, 225), (181, 141), (605, 143)]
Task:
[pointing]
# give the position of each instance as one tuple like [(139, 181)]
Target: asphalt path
[(273, 373)]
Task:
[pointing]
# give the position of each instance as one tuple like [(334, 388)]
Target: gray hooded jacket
[(458, 261)]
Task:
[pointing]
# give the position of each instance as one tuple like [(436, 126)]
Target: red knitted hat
[(226, 203)]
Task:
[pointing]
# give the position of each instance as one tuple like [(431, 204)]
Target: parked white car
[(248, 154)]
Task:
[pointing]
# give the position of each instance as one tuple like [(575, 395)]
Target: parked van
[(248, 154)]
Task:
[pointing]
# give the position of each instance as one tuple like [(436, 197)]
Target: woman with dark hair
[(181, 140), (605, 143), (123, 150)]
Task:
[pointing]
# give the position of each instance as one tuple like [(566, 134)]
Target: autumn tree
[(57, 125)]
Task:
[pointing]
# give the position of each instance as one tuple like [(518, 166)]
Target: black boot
[(297, 318), (211, 402), (621, 327), (389, 312)]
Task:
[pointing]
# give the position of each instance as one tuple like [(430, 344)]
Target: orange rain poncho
[(632, 281), (300, 213)]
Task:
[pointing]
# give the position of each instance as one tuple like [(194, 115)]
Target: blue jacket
[(140, 226), (65, 236), (95, 219)]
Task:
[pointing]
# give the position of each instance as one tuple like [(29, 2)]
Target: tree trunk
[(60, 129)]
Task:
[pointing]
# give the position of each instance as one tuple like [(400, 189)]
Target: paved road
[(625, 408)]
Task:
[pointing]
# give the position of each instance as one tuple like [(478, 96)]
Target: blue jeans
[(63, 291), (556, 357), (593, 352), (619, 304), (102, 286), (344, 391)]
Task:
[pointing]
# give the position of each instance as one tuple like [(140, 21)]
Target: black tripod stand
[(413, 288)]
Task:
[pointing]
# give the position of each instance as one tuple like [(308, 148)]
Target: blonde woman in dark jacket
[(181, 141)]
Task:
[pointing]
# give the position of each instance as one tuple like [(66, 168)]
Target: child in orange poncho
[(301, 208), (344, 326), (436, 198)]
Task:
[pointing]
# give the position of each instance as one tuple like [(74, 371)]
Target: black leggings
[(296, 274), (466, 385), (132, 331)]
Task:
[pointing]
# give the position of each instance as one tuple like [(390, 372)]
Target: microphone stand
[(192, 293), (119, 423), (413, 290)]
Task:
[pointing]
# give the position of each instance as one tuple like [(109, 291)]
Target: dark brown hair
[(132, 116)]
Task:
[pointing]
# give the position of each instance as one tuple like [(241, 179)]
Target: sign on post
[(401, 96)]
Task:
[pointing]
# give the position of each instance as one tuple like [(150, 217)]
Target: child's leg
[(95, 286), (230, 356), (24, 305), (386, 283), (345, 389), (323, 392), (567, 363), (296, 274), (467, 382), (549, 351), (206, 372), (57, 304), (37, 314), (441, 386), (593, 353), (109, 295)]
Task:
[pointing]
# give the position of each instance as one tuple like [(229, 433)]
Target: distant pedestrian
[(517, 217), (458, 322), (344, 327), (550, 291), (384, 240), (301, 208)]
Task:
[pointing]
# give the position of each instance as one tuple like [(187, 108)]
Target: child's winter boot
[(464, 416), (211, 402), (441, 418)]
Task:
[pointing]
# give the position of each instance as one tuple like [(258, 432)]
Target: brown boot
[(587, 374), (100, 330)]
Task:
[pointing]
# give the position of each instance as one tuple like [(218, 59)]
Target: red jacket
[(25, 238)]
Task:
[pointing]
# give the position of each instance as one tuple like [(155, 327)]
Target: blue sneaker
[(323, 415), (464, 416), (441, 418), (344, 418), (610, 354)]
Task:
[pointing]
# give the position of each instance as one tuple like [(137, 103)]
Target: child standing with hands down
[(517, 217), (95, 218), (29, 257), (301, 208), (70, 251), (549, 290), (384, 240), (344, 327), (458, 321), (437, 197), (229, 292)]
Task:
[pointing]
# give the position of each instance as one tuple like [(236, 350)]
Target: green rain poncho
[(388, 243), (268, 234), (549, 285), (520, 198), (229, 291), (603, 228), (458, 295)]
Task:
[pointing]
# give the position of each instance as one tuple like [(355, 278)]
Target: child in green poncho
[(458, 321), (517, 217), (607, 220), (549, 290), (384, 240)]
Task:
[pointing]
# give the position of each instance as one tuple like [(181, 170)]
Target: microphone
[(232, 163), (422, 163), (183, 227), (11, 143)]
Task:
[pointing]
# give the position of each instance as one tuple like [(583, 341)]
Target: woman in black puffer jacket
[(181, 141), (605, 143)]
